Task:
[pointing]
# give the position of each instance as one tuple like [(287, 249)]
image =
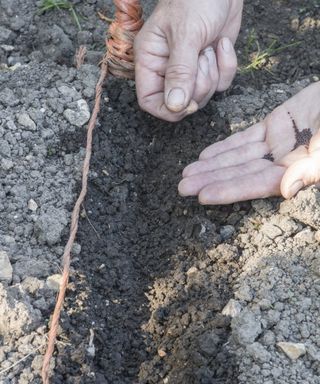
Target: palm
[(276, 156)]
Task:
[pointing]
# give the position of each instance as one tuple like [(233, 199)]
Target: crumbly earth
[(162, 290)]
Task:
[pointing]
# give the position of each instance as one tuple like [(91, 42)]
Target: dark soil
[(155, 319), (286, 22), (146, 233)]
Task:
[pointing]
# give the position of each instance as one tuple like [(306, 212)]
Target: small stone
[(209, 343), (7, 48), (41, 304), (305, 304), (192, 271), (76, 249), (258, 352), (268, 338), (32, 284), (25, 120), (84, 38), (6, 164), (54, 281), (5, 267), (50, 225), (244, 293), (162, 353), (271, 231), (37, 363), (227, 231), (79, 116), (292, 350), (261, 206), (5, 35), (8, 98), (32, 205), (5, 149), (232, 309), (68, 159), (69, 92), (306, 236), (246, 327), (265, 304)]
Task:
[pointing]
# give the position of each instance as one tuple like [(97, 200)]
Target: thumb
[(298, 175), (303, 172), (180, 75)]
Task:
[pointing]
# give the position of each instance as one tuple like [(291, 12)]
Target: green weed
[(255, 57), (50, 5)]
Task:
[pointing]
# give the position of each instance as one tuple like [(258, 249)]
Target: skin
[(236, 168), (184, 53)]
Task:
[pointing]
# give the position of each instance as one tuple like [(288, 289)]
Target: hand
[(184, 53), (277, 156)]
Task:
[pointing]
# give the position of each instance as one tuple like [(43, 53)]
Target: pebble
[(271, 231), (244, 293), (246, 327), (6, 164), (258, 352), (192, 271), (292, 350), (54, 281), (265, 304), (32, 205), (162, 353), (25, 120), (68, 92), (50, 225), (32, 284), (227, 231), (5, 267), (8, 98), (209, 343), (5, 34), (5, 148), (76, 249), (306, 236), (79, 116), (232, 309)]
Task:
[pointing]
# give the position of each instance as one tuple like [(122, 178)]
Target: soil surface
[(162, 290)]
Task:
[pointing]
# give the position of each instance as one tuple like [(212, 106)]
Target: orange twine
[(128, 21), (119, 61)]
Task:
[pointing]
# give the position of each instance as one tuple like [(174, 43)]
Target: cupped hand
[(278, 156), (184, 53)]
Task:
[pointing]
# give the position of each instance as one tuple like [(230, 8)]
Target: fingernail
[(295, 188), (209, 53), (192, 107), (226, 44), (176, 99), (204, 65)]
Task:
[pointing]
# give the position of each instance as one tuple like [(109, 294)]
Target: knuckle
[(144, 104), (180, 71)]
